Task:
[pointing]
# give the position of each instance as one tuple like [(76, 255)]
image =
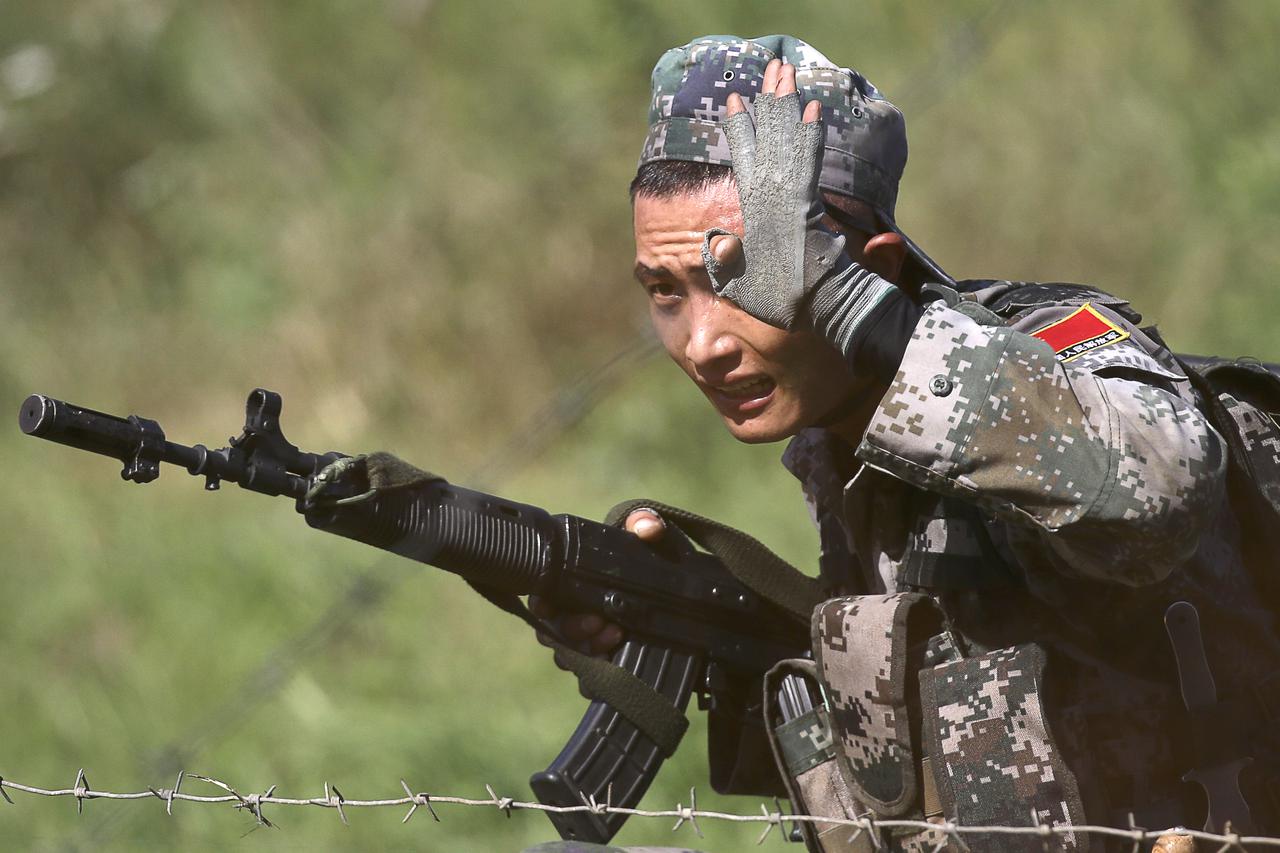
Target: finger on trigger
[(607, 639), (577, 627), (812, 112)]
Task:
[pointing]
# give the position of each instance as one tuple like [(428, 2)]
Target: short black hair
[(669, 178)]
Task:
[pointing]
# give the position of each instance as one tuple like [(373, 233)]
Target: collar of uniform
[(823, 463)]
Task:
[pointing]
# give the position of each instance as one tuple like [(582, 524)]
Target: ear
[(884, 254)]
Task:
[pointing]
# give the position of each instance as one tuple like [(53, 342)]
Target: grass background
[(410, 218)]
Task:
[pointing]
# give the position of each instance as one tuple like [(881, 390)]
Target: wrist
[(844, 301), (867, 318)]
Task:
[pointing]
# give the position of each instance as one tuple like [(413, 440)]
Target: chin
[(761, 430)]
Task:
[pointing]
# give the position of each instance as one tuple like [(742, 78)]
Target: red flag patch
[(1080, 332)]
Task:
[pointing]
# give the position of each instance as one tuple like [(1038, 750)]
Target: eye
[(662, 292)]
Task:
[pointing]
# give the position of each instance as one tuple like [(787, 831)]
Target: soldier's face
[(766, 383)]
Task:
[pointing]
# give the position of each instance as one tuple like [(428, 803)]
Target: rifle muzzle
[(64, 423)]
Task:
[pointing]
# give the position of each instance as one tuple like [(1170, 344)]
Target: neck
[(850, 419)]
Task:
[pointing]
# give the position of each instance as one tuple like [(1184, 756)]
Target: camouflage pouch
[(993, 758), (804, 750), (857, 754), (862, 646)]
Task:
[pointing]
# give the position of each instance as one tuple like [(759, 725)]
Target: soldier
[(1012, 482)]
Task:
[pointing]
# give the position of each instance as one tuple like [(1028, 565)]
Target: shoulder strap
[(1241, 398), (1022, 295), (755, 566)]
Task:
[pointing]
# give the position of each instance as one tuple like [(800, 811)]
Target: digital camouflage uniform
[(1059, 504)]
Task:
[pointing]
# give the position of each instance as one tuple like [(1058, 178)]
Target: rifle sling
[(604, 681), (749, 561)]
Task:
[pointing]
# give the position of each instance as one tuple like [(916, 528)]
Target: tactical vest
[(893, 698)]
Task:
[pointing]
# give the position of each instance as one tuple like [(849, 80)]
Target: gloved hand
[(794, 270)]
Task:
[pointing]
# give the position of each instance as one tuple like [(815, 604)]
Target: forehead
[(715, 204), (668, 231)]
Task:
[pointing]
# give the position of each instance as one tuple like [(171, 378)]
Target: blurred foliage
[(410, 218)]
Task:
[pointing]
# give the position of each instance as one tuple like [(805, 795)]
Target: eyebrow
[(641, 272)]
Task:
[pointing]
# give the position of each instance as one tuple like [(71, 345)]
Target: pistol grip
[(607, 758)]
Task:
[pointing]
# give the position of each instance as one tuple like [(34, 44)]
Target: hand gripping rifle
[(692, 625)]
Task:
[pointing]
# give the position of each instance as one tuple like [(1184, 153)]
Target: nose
[(712, 346)]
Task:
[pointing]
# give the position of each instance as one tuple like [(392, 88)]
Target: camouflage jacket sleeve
[(1091, 442)]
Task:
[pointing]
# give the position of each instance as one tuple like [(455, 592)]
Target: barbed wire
[(946, 832)]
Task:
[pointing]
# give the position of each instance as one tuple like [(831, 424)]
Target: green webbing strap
[(755, 566), (599, 679), (388, 471), (605, 681)]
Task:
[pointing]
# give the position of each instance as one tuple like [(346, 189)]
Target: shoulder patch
[(1081, 331)]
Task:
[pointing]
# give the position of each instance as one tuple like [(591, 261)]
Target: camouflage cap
[(865, 149)]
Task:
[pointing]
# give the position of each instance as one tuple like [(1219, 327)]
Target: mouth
[(743, 397)]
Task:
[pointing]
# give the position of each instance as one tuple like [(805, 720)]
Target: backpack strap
[(1017, 297), (1241, 399)]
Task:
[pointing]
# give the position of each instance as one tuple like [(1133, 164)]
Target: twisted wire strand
[(333, 799)]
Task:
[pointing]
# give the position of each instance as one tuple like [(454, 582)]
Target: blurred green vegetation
[(410, 218)]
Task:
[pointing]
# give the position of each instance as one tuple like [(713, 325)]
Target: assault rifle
[(691, 625)]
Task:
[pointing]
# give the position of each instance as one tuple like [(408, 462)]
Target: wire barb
[(335, 800), (774, 819), (504, 804), (953, 830), (253, 802), (416, 800), (80, 789), (1046, 831), (872, 832), (4, 793), (1231, 839), (1139, 834), (167, 794), (689, 814)]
